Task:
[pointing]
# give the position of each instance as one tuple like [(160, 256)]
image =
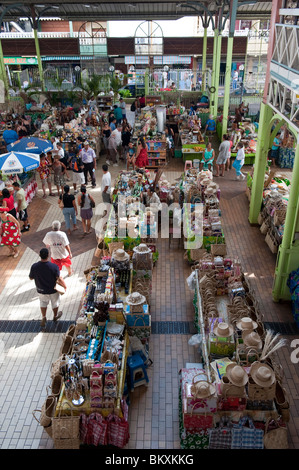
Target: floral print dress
[(10, 234)]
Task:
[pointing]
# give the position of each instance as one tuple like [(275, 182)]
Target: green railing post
[(204, 58), (146, 82), (288, 250), (2, 70), (228, 73), (229, 58), (215, 43), (39, 60), (217, 73), (260, 163)]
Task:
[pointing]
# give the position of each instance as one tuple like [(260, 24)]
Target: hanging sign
[(20, 60)]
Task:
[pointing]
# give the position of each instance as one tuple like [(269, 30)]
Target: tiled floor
[(25, 358)]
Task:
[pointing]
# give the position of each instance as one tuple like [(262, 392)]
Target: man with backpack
[(77, 168)]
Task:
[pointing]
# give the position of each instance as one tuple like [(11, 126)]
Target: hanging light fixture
[(111, 69), (131, 68)]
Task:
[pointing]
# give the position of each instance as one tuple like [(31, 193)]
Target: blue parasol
[(17, 162), (31, 145)]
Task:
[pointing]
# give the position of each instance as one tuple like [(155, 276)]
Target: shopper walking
[(58, 245), (122, 106), (45, 174), (10, 232), (106, 185), (141, 154), (77, 168), (21, 206), (224, 152), (86, 202), (106, 132), (45, 275), (59, 170), (8, 202), (89, 161), (125, 140), (239, 162), (69, 209), (118, 114)]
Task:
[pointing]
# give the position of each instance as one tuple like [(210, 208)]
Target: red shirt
[(10, 203)]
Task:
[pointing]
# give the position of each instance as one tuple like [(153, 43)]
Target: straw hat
[(224, 330), (142, 248), (262, 374), (236, 374), (246, 324), (252, 339), (120, 255), (135, 299), (202, 389)]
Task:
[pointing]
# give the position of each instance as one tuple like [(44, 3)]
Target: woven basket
[(230, 390), (67, 443), (255, 392), (275, 438), (115, 246), (56, 385), (47, 411), (65, 427), (67, 345)]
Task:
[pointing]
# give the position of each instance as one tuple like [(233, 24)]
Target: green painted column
[(288, 253), (204, 58), (146, 82), (39, 60), (217, 74), (215, 44), (2, 69), (228, 73), (260, 163)]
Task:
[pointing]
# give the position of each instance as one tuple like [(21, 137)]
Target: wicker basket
[(67, 443), (47, 411), (255, 392)]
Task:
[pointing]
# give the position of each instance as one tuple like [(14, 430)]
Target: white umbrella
[(17, 162)]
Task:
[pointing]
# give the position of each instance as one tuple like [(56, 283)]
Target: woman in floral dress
[(45, 174), (10, 232)]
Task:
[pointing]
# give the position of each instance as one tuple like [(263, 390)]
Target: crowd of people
[(58, 169)]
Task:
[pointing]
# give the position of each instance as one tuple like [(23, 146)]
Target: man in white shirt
[(54, 143), (58, 243), (122, 106), (106, 185), (114, 144), (89, 161), (62, 158)]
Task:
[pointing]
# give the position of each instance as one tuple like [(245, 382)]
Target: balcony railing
[(75, 34)]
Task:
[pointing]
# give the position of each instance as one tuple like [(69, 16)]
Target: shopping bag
[(244, 437), (221, 437)]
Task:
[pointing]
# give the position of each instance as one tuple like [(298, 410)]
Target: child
[(239, 162), (131, 156)]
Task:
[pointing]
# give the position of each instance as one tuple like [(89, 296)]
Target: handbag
[(59, 288), (218, 249), (244, 437), (66, 430), (47, 411), (221, 437), (117, 431), (277, 437), (92, 203), (61, 203), (96, 433)]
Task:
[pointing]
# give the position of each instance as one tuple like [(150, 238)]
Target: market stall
[(233, 398), (274, 206)]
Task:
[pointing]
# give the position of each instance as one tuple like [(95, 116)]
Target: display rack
[(156, 150), (104, 102)]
